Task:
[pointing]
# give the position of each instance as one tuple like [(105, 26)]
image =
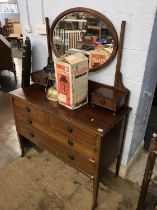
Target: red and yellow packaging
[(72, 80), (97, 58)]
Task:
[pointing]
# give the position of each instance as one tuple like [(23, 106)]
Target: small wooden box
[(109, 98)]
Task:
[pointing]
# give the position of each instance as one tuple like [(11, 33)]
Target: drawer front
[(83, 164), (102, 101), (71, 136)]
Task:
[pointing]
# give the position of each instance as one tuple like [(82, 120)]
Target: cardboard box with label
[(72, 80), (97, 58)]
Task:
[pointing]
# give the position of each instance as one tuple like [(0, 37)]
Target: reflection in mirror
[(86, 33)]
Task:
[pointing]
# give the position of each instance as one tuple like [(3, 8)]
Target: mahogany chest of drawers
[(89, 138)]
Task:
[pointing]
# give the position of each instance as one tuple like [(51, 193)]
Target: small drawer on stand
[(101, 101)]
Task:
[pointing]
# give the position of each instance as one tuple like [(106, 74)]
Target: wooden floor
[(9, 146)]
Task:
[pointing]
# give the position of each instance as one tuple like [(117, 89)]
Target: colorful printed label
[(63, 81)]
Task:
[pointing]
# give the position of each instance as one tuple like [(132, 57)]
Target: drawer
[(70, 143), (79, 162), (101, 101), (71, 136), (25, 110)]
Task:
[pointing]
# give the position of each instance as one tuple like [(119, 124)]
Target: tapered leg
[(21, 142), (118, 165), (96, 174), (95, 192), (119, 158)]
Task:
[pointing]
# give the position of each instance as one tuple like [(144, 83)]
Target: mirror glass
[(90, 33)]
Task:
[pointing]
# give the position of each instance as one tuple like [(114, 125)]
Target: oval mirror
[(87, 31)]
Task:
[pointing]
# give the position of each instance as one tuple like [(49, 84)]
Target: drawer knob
[(28, 109), (70, 142), (31, 134), (102, 102), (71, 157), (29, 121), (70, 130)]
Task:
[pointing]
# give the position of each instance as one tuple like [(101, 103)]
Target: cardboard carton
[(72, 80), (97, 58)]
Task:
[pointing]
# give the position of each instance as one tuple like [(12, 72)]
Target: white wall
[(139, 16), (147, 92)]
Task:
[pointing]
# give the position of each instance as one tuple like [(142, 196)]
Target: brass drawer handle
[(28, 109), (31, 134), (29, 121), (69, 129), (71, 157), (70, 142)]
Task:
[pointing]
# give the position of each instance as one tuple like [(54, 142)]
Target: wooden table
[(88, 139)]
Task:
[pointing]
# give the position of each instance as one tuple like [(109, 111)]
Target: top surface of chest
[(94, 119)]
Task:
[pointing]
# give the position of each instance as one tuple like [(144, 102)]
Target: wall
[(147, 92), (12, 16), (139, 16)]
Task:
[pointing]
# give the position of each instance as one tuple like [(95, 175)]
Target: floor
[(9, 147), (40, 181)]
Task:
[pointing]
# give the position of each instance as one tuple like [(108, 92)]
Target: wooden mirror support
[(115, 97), (48, 40), (26, 63), (102, 41)]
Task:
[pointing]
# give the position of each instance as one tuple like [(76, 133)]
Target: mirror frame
[(99, 15)]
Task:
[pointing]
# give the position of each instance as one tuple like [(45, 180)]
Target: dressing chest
[(88, 139)]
